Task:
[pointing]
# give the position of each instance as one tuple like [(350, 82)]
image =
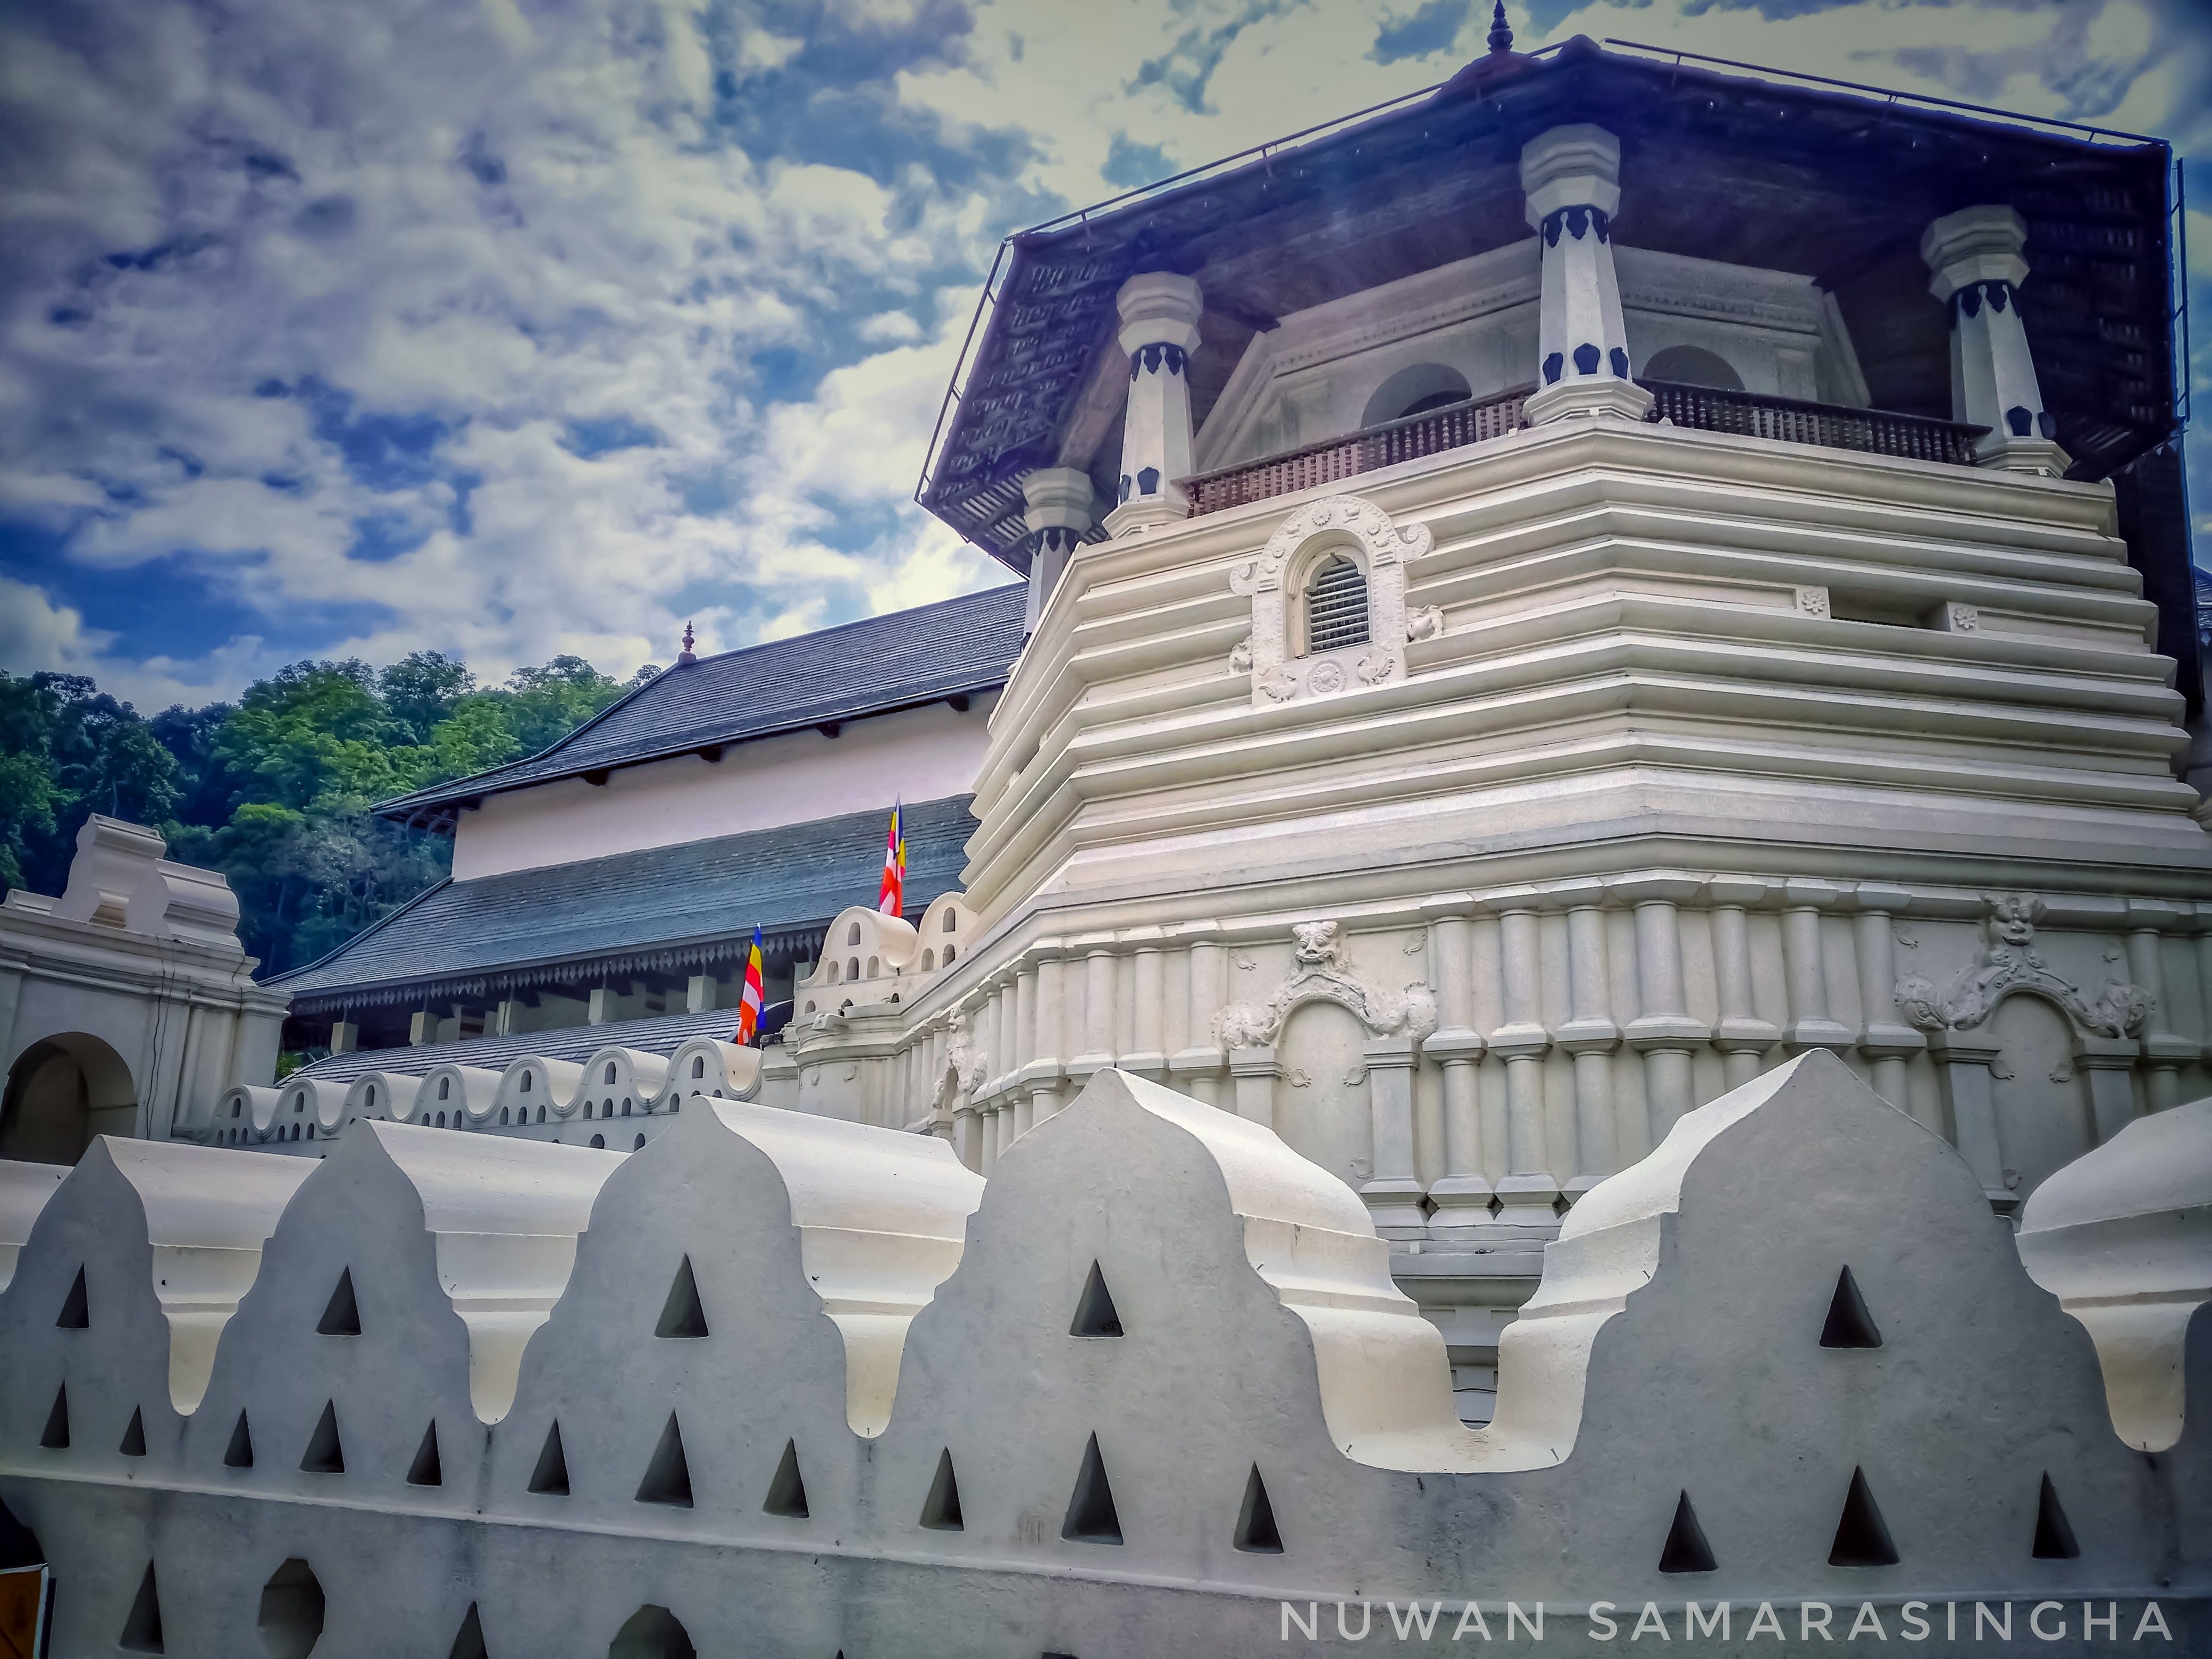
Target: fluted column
[(1148, 1054), (1058, 512), (1159, 331), (1023, 1002), (1098, 1050), (1974, 256), (1662, 1029), (1196, 1067), (1805, 970), (1571, 179), (1463, 1196), (1043, 1073), (2165, 1050), (1888, 1043), (1590, 1035), (1529, 1189), (1393, 1193), (1742, 1035)]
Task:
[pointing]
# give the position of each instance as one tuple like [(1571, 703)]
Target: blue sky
[(512, 327)]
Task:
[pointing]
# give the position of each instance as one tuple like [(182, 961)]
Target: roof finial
[(1501, 33), (687, 656)]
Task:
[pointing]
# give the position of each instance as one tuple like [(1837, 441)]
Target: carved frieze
[(1363, 532), (2009, 962), (1321, 972)]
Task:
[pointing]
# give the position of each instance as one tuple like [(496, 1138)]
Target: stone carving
[(2010, 962), (1321, 972), (1240, 656), (966, 1064), (1813, 601), (1363, 533), (1424, 622)]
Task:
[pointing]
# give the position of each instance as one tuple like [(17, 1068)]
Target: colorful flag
[(890, 897), (749, 1004)]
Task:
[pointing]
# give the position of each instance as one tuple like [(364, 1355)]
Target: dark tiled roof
[(630, 905), (894, 661), (662, 1035)]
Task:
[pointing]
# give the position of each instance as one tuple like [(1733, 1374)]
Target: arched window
[(637, 1145), (928, 960), (1416, 391), (951, 921), (525, 1083), (441, 1120), (445, 1090), (698, 1065), (610, 1072), (948, 955), (311, 1132), (833, 973), (875, 967), (1689, 365), (852, 967), (541, 1114), (370, 1101), (625, 1105), (810, 1009), (599, 1141), (1336, 605), (503, 1114), (234, 1105), (299, 1104), (853, 934)]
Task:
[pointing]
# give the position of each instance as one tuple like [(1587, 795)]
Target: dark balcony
[(1706, 408)]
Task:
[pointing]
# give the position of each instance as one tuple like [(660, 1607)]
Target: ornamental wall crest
[(1323, 973), (967, 1065), (2008, 962), (1281, 670)]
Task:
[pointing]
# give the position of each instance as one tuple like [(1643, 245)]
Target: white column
[(1527, 1193), (1462, 1197), (1148, 1057), (345, 1036), (1974, 255), (1742, 1035), (1888, 1043), (1805, 971), (1159, 330), (1572, 178), (1058, 514), (699, 993), (1098, 1014), (1024, 1048), (1393, 1193), (1662, 1028), (1043, 1071), (1590, 1035), (1195, 1068)]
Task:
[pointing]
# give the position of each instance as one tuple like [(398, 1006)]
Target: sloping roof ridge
[(370, 932), (489, 778)]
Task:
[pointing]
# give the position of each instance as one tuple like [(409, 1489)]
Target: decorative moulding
[(2009, 962), (1363, 532), (1323, 973)]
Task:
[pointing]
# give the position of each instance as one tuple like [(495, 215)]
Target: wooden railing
[(1706, 409), (1409, 438), (1875, 431)]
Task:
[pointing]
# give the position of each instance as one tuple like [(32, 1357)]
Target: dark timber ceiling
[(1836, 186)]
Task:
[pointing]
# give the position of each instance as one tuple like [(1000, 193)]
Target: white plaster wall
[(916, 754)]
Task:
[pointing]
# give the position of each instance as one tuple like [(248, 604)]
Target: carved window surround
[(1363, 533)]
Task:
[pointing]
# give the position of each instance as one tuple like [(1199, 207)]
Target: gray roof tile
[(963, 645), (797, 876), (662, 1035)]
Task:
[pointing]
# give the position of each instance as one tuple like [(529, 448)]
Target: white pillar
[(1462, 1197), (699, 993), (1195, 1068), (1570, 176), (1590, 1035), (1058, 514), (1664, 1029), (1148, 1057), (1888, 1043), (1528, 1190), (1974, 255), (1159, 330), (345, 1036)]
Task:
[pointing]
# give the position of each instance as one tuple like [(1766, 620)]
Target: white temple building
[(1591, 735)]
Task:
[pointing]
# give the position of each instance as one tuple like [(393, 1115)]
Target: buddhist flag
[(890, 897), (749, 1004)]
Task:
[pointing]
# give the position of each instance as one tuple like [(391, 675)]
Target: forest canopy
[(275, 790)]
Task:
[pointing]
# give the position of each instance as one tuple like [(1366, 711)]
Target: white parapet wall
[(1155, 1393)]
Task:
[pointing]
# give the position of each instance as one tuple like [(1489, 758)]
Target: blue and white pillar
[(1057, 509), (1159, 331), (1974, 255), (1571, 176)]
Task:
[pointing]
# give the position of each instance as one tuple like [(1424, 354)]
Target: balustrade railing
[(1706, 409)]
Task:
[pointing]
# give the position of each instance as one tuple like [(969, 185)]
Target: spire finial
[(687, 655), (1501, 33)]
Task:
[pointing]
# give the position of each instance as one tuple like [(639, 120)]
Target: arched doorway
[(61, 1090)]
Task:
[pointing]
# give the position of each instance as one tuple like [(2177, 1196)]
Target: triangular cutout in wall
[(550, 1476), (324, 1455), (1861, 1535), (1849, 1325), (682, 1315), (1091, 1518), (342, 1316), (56, 1438), (77, 1309), (1256, 1532), (240, 1453), (133, 1435), (468, 1641), (426, 1469), (668, 1477), (786, 1494), (940, 1510), (2054, 1533), (1687, 1550), (142, 1631), (1094, 1314)]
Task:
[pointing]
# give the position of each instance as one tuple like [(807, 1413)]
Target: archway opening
[(652, 1633), (1416, 391), (1689, 365), (62, 1091)]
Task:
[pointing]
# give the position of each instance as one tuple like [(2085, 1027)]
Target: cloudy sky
[(518, 326)]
